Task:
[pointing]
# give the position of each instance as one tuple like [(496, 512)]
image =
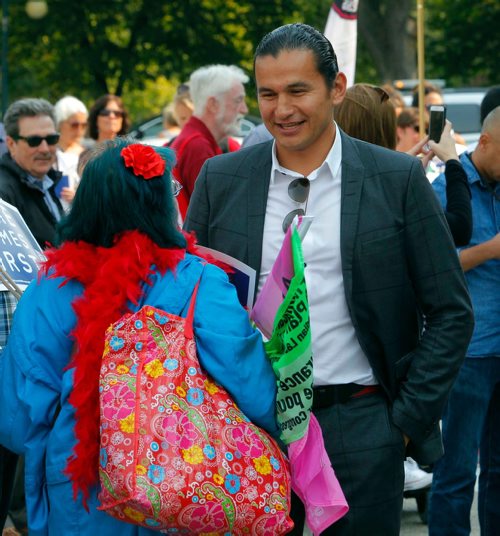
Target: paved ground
[(411, 525)]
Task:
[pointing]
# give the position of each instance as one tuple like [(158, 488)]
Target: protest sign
[(289, 348), (19, 251), (276, 285), (282, 309)]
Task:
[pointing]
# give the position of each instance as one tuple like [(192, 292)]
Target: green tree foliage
[(91, 47), (463, 41), (141, 49)]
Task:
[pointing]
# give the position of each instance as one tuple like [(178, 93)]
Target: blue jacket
[(34, 380)]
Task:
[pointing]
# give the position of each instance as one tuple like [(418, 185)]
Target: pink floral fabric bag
[(176, 452)]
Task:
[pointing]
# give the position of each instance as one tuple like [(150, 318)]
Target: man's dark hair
[(300, 36), (25, 108), (490, 101)]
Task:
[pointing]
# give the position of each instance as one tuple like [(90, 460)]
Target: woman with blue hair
[(118, 249)]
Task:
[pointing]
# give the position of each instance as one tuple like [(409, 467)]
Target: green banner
[(290, 352)]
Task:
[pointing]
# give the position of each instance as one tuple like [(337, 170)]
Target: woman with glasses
[(119, 248), (108, 118), (71, 121)]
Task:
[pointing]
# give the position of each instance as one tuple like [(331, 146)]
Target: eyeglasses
[(35, 141), (105, 113), (76, 124), (176, 187), (381, 92), (298, 191)]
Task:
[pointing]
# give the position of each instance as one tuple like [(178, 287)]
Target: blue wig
[(111, 199)]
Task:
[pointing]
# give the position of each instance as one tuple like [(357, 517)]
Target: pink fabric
[(314, 480), (275, 288)]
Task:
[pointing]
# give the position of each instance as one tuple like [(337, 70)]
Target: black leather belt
[(327, 395)]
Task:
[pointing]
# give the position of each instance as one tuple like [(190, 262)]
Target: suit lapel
[(258, 176), (258, 187), (352, 183)]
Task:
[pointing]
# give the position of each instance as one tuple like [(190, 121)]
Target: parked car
[(148, 131), (463, 108)]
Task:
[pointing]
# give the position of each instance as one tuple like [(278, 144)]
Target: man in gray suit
[(390, 313)]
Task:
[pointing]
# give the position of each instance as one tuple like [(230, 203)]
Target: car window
[(465, 117), (152, 128)]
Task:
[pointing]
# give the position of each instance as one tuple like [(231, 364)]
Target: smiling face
[(297, 106), (36, 161)]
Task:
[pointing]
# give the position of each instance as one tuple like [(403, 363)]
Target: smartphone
[(436, 122)]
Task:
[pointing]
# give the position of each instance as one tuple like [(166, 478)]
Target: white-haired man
[(218, 96)]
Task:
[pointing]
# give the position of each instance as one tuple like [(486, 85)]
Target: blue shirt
[(44, 186), (483, 280)]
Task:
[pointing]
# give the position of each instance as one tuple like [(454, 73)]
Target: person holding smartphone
[(471, 421), (458, 211)]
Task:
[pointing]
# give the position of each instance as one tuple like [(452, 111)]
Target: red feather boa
[(112, 277)]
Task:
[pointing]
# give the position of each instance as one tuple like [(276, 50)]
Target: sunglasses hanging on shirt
[(298, 191)]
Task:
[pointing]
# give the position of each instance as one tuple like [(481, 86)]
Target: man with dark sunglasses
[(27, 179), (27, 182), (390, 314)]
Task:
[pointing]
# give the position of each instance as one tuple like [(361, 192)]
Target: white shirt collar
[(332, 161)]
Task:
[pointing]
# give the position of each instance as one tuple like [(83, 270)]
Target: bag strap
[(188, 329)]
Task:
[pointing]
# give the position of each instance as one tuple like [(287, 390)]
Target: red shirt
[(193, 146)]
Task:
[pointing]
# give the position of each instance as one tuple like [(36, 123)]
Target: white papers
[(243, 277)]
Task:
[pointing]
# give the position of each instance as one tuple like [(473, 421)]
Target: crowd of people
[(405, 331)]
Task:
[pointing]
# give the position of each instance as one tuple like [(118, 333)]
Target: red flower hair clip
[(143, 160)]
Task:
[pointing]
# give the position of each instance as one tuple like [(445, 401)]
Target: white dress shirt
[(338, 357)]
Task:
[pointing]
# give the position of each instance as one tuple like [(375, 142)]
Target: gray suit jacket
[(399, 265)]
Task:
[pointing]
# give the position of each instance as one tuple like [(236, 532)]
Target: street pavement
[(411, 524)]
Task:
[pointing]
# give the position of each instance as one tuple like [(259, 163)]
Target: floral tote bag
[(177, 455)]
